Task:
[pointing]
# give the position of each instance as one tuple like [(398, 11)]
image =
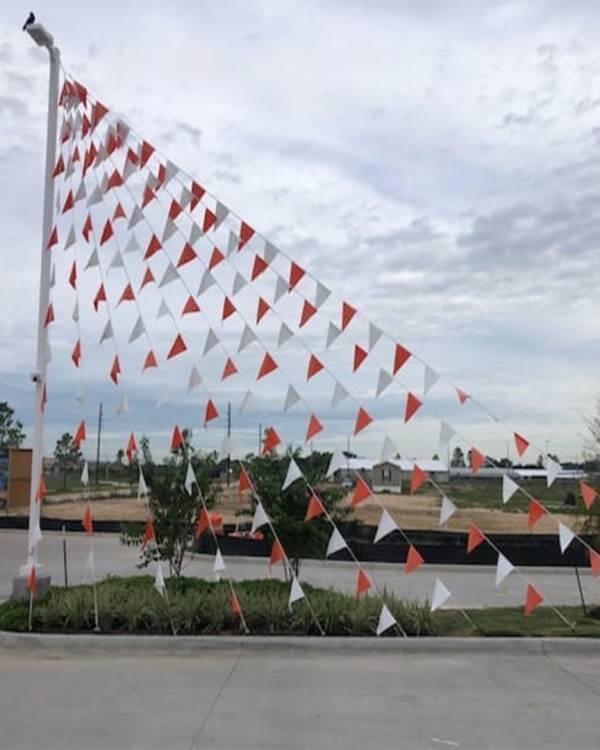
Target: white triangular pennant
[(281, 288), (270, 252), (285, 334), (293, 473), (132, 245), (48, 350), (440, 595), (117, 261), (509, 487), (123, 406), (388, 449), (107, 333), (90, 568), (247, 337), (232, 243), (218, 564), (162, 309), (338, 461), (81, 192), (221, 213), (80, 395), (195, 234), (374, 335), (71, 240), (447, 510), (211, 341), (136, 216), (430, 378), (95, 197), (92, 260), (260, 518), (339, 394), (291, 397), (332, 333), (385, 527), (246, 401), (75, 313), (322, 294), (565, 536), (169, 275), (171, 171), (85, 474), (138, 330), (206, 282), (142, 486), (386, 620), (503, 568), (336, 543), (239, 282), (553, 469), (169, 230), (296, 592), (159, 579), (446, 434), (186, 197), (194, 379), (383, 381), (190, 479), (53, 277)]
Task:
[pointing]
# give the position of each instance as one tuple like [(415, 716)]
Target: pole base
[(20, 592)]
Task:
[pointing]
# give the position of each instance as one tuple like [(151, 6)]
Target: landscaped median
[(198, 607)]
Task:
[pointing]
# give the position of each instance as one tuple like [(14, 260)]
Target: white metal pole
[(43, 39)]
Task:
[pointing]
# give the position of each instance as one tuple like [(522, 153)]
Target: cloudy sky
[(436, 164)]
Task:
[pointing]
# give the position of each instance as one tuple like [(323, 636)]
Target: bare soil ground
[(409, 512)]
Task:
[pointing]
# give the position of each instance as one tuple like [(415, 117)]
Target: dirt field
[(420, 512)]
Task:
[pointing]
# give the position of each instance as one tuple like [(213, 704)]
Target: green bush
[(199, 607)]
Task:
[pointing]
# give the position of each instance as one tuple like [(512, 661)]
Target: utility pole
[(98, 444), (43, 39), (228, 442)]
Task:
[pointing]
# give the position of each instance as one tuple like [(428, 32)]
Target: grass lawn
[(198, 607), (488, 494)]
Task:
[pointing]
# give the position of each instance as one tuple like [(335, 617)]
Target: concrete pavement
[(287, 696), (471, 586)]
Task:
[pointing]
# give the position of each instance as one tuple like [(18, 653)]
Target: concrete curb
[(136, 645)]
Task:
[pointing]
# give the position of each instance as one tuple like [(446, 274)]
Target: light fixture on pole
[(42, 38)]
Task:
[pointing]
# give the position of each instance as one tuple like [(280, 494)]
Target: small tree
[(458, 458), (11, 429), (67, 456), (287, 509), (174, 512)]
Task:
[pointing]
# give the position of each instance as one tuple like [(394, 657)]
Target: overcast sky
[(435, 164)]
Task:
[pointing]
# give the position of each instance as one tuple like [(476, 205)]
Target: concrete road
[(296, 697), (471, 586)]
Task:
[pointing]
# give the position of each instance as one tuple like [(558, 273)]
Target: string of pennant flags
[(96, 142)]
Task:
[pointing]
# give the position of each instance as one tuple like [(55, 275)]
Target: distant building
[(525, 474), (388, 476)]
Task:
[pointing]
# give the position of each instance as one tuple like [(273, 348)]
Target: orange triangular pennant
[(314, 427), (277, 553), (115, 370), (413, 404), (176, 439), (73, 275), (69, 202), (359, 357), (76, 353), (588, 494), (174, 210), (146, 153), (202, 523), (87, 228), (401, 357), (210, 412), (150, 361), (127, 295), (153, 247), (177, 347), (362, 583), (348, 312), (413, 560), (191, 306), (41, 490), (595, 562), (215, 258), (236, 609), (148, 535), (32, 581), (477, 460), (148, 277), (53, 238), (100, 297), (296, 273), (198, 193), (188, 254), (244, 482), (520, 443), (229, 369), (119, 212), (246, 233), (262, 309), (314, 366), (149, 195), (533, 599), (131, 448), (462, 396), (363, 419), (536, 511), (308, 311), (271, 440), (49, 315), (474, 539), (87, 522), (417, 478), (80, 435), (209, 220), (258, 267), (107, 232), (315, 508), (361, 492), (267, 366), (228, 308)]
